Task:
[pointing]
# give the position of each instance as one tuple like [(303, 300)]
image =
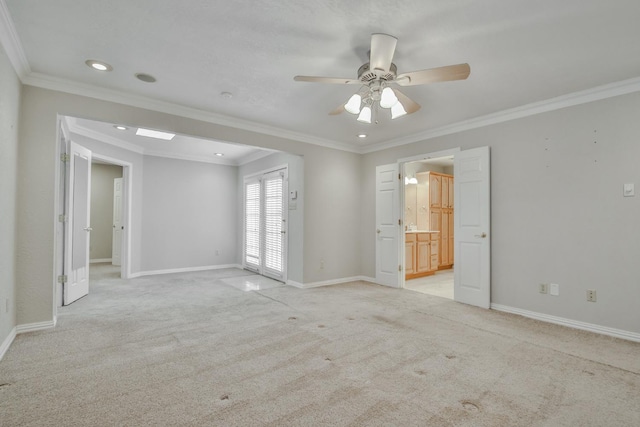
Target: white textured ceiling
[(520, 52)]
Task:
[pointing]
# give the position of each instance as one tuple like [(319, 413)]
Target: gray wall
[(557, 209), (102, 177), (10, 89), (296, 216), (332, 204), (189, 212)]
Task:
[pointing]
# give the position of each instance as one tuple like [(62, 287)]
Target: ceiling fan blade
[(331, 80), (409, 105), (383, 46), (337, 110), (433, 75)]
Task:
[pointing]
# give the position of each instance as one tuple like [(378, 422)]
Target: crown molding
[(82, 89), (191, 157), (255, 156), (75, 128), (11, 43), (576, 98)]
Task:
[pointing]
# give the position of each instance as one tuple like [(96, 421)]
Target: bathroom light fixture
[(98, 65), (408, 180), (155, 134), (362, 135)]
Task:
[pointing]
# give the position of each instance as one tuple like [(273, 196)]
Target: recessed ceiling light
[(362, 135), (120, 127), (147, 78), (98, 65), (227, 95), (155, 134), (219, 154)]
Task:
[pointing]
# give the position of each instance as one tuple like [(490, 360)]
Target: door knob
[(88, 229), (378, 231), (483, 235)]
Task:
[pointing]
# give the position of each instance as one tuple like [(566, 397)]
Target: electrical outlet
[(543, 288), (591, 295), (217, 252), (321, 264)]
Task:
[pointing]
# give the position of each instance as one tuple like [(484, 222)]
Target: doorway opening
[(74, 227), (429, 226)]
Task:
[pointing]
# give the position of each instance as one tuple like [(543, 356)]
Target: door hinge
[(64, 157), (62, 218), (400, 267), (399, 177), (62, 279), (400, 222)]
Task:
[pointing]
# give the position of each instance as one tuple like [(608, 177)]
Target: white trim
[(331, 282), (12, 44), (184, 270), (604, 330), (63, 85), (7, 341), (90, 133), (576, 98), (100, 260), (427, 156), (192, 157), (38, 326)]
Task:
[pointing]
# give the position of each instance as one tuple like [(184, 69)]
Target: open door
[(388, 267), (472, 272), (116, 239), (76, 251)]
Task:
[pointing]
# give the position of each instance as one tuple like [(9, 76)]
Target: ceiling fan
[(376, 76)]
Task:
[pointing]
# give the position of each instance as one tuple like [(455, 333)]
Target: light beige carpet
[(192, 349)]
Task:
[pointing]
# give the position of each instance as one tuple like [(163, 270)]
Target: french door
[(265, 224)]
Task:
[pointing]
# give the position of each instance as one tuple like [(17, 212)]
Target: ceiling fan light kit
[(378, 74)]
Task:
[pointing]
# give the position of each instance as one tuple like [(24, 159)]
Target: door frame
[(60, 188), (127, 186), (401, 163)]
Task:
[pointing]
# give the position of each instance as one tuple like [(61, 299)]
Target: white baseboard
[(38, 326), (330, 282), (184, 270), (618, 333), (7, 343), (99, 260)]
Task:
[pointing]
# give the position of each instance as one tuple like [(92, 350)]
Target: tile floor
[(439, 284)]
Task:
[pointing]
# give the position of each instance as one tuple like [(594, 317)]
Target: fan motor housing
[(366, 75)]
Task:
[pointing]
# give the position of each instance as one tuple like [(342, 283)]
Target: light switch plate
[(628, 190), (554, 289)]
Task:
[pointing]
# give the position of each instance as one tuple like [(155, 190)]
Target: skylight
[(155, 134)]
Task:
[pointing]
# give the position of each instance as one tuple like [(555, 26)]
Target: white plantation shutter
[(273, 215), (252, 224), (265, 244)]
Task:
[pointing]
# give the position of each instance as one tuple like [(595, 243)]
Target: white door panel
[(472, 227), (116, 240), (387, 226), (78, 230)]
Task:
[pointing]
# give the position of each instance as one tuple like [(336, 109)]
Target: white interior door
[(472, 272), (78, 230), (116, 240), (265, 226), (388, 267)]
